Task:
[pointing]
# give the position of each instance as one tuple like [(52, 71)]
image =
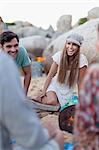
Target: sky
[(43, 13)]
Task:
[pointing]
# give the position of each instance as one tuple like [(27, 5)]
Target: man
[(9, 42), (16, 117)]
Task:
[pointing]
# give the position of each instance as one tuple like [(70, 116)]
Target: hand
[(39, 97), (43, 94)]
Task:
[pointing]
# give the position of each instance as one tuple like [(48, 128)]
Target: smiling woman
[(67, 70)]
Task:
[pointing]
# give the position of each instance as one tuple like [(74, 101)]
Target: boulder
[(24, 30), (26, 23), (64, 23), (88, 31), (29, 31), (34, 44), (93, 13)]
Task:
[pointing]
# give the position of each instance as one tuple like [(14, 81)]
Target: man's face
[(11, 47)]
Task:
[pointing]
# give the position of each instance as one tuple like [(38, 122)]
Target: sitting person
[(67, 70), (17, 120), (9, 42), (86, 129)]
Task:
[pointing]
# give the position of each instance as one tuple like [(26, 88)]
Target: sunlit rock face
[(64, 23), (93, 13)]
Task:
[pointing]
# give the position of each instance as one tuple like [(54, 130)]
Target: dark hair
[(7, 36)]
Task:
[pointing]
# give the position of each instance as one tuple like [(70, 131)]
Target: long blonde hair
[(68, 65)]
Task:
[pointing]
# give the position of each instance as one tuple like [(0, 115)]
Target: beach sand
[(35, 88)]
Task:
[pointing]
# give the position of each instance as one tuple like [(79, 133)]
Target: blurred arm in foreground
[(17, 119)]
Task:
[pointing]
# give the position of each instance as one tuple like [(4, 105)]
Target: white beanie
[(75, 38)]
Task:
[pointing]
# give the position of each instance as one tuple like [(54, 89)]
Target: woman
[(68, 68), (86, 131)]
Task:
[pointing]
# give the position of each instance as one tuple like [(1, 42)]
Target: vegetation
[(82, 20), (10, 24)]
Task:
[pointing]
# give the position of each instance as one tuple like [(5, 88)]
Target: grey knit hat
[(75, 38)]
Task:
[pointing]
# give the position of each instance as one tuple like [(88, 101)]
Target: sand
[(35, 88)]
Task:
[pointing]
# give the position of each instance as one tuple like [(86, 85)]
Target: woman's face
[(72, 48)]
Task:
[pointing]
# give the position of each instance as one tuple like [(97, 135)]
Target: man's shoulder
[(22, 58), (22, 49), (22, 52)]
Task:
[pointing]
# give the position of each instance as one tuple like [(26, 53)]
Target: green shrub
[(82, 20), (10, 24)]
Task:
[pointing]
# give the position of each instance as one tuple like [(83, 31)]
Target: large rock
[(25, 29), (88, 30), (34, 44), (29, 31), (64, 23), (19, 26), (93, 13)]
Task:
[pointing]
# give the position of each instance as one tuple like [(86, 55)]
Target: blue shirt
[(22, 58)]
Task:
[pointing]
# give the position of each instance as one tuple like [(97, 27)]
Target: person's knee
[(53, 102)]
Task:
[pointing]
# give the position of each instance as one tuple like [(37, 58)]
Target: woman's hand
[(43, 94), (40, 96)]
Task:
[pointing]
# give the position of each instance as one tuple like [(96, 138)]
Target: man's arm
[(27, 77), (18, 119)]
